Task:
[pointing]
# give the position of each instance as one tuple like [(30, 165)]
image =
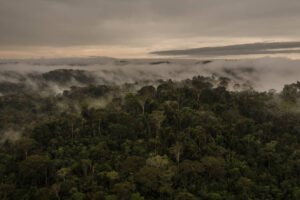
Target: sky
[(149, 28)]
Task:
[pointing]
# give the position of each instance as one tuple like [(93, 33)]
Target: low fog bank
[(57, 75), (32, 90)]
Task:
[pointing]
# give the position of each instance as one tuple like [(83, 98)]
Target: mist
[(10, 135), (57, 75)]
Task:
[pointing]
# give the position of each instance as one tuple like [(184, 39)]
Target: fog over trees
[(70, 132)]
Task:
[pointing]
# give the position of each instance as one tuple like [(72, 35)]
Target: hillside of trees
[(188, 140)]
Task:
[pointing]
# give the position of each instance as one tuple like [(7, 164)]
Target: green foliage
[(189, 140)]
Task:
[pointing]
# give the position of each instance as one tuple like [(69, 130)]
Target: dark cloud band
[(241, 49)]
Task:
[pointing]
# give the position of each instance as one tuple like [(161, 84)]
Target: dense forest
[(199, 138)]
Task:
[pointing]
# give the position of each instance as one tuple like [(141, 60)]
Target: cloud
[(262, 74), (241, 49), (142, 22)]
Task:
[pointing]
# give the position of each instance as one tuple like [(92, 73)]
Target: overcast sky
[(121, 28)]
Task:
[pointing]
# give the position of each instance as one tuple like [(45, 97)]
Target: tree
[(136, 196), (157, 117), (25, 145), (123, 190), (45, 193), (35, 170), (296, 193), (214, 167), (144, 94), (291, 92), (158, 161), (63, 173), (185, 196), (78, 196), (56, 188), (149, 180), (6, 191), (177, 149)]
